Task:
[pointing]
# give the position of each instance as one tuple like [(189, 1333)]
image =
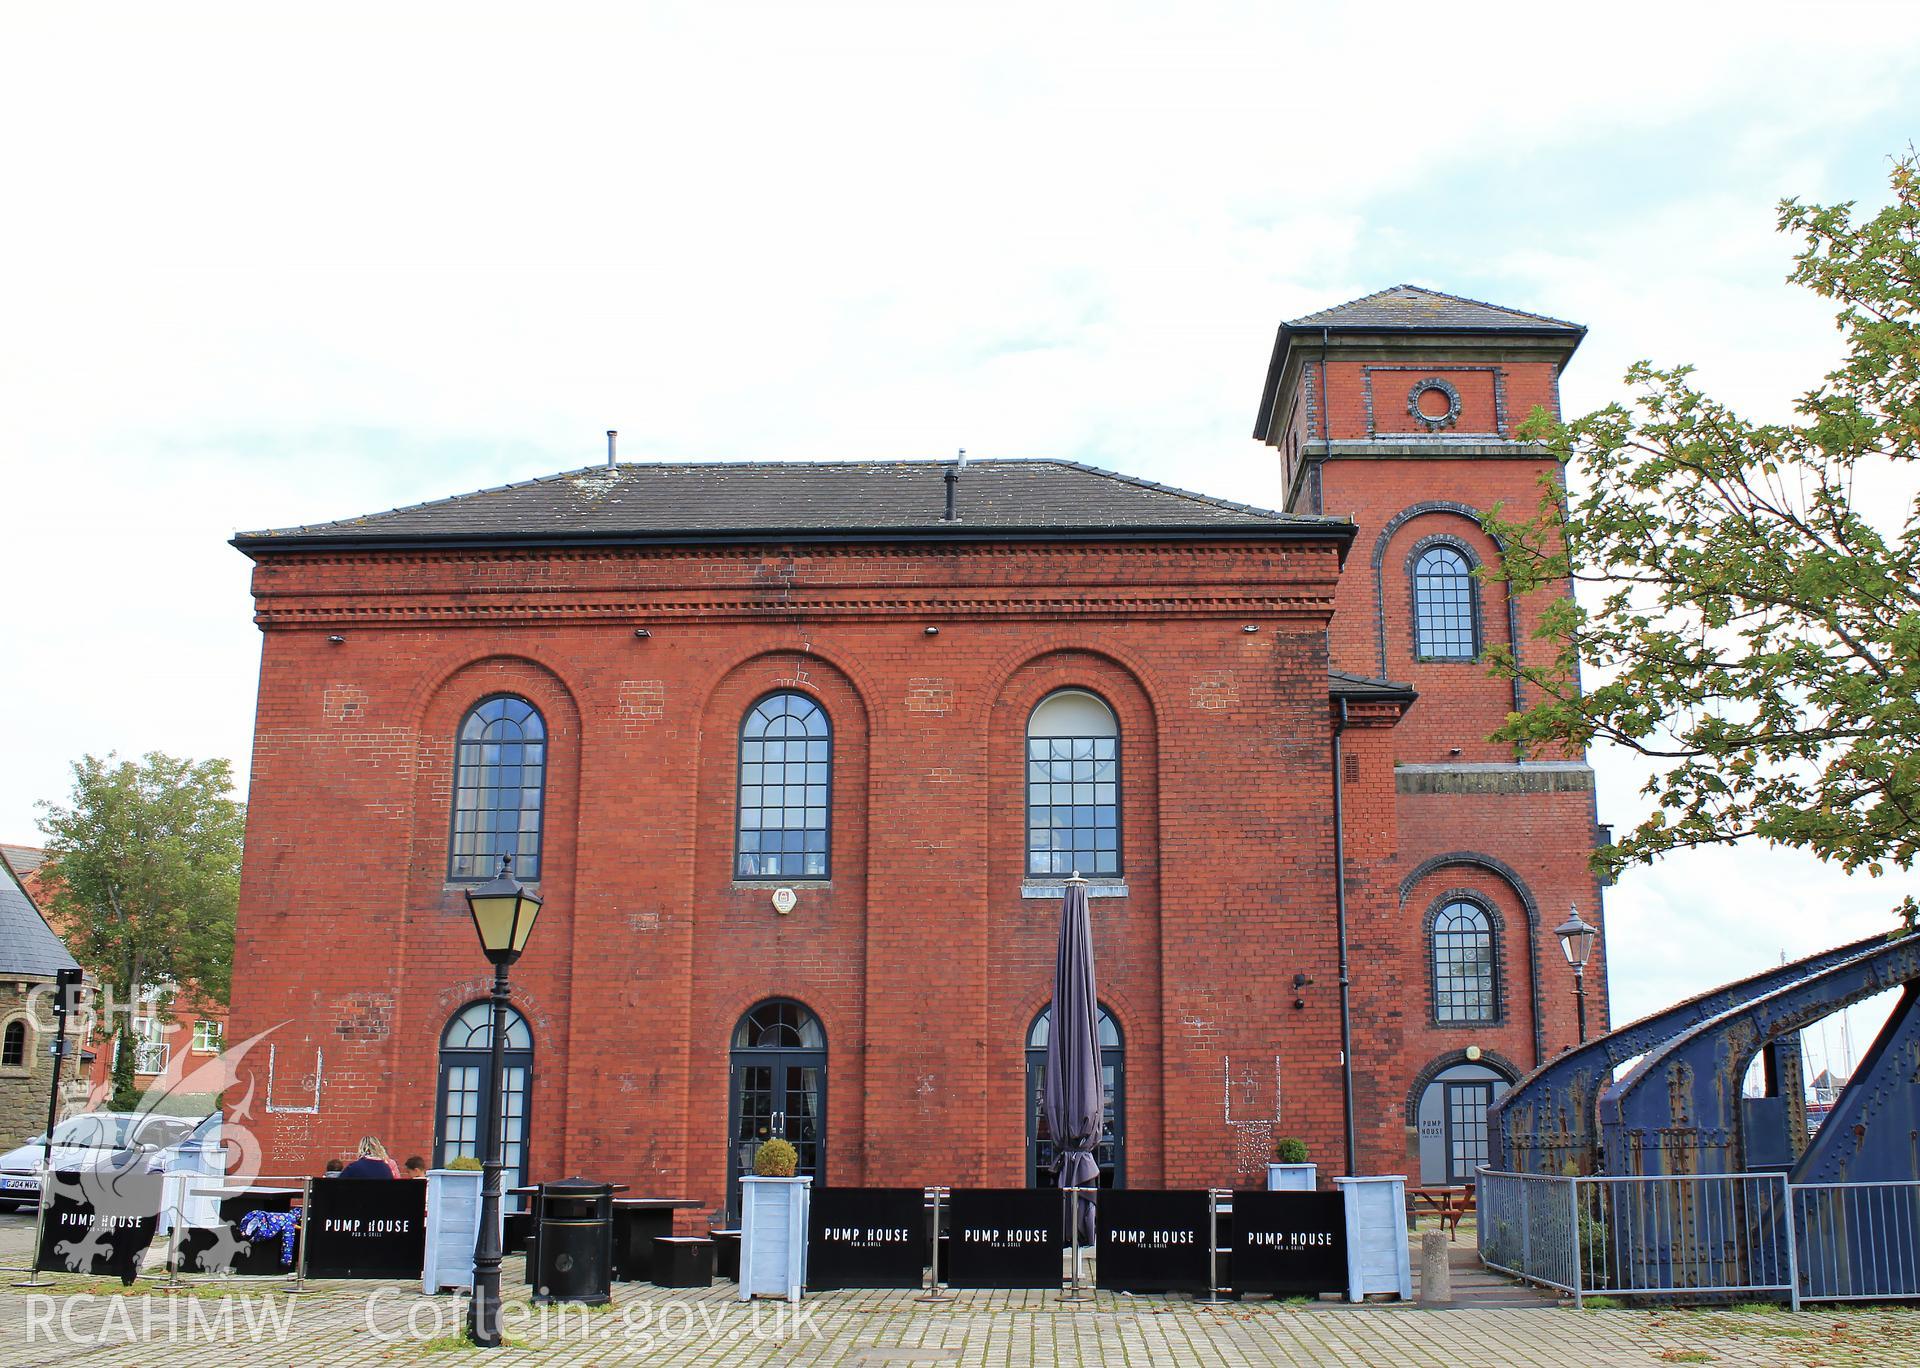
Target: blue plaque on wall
[(1004, 1237)]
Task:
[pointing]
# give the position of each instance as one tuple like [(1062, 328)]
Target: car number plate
[(19, 1184)]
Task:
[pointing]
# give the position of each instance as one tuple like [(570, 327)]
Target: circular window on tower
[(1434, 403)]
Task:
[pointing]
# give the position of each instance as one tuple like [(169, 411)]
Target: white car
[(98, 1138)]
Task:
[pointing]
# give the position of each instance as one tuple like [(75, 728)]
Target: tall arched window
[(465, 1056), (13, 1052), (1110, 1152), (786, 790), (1446, 623), (1073, 786), (499, 789), (1463, 965)]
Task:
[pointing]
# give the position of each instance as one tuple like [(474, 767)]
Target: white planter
[(453, 1228), (773, 1237), (193, 1173), (1377, 1258), (1293, 1177)]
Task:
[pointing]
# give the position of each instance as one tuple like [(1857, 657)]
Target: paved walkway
[(82, 1322)]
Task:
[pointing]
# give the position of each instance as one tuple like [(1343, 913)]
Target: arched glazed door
[(1452, 1114), (460, 1118), (1110, 1154), (778, 1088)]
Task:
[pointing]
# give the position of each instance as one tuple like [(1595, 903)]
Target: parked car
[(94, 1139)]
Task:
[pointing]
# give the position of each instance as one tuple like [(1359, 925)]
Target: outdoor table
[(1451, 1202), (637, 1223)]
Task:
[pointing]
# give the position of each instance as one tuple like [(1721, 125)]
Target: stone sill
[(1051, 888)]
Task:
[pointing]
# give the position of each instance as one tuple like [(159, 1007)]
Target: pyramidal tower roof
[(1414, 306), (1410, 318)]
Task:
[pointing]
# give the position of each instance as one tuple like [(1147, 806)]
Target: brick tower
[(1399, 410)]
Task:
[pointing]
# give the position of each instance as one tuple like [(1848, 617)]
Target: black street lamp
[(66, 991), (503, 915), (1576, 938)]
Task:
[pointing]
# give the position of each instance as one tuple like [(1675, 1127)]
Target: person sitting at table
[(416, 1166), (333, 1169), (372, 1161)]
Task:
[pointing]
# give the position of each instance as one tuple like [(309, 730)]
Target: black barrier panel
[(866, 1237), (100, 1222), (1292, 1243), (1004, 1237), (259, 1250), (367, 1228), (1152, 1241)]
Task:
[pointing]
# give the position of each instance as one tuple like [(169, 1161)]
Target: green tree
[(1751, 591), (143, 876)]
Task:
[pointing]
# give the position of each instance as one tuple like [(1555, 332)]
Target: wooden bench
[(1450, 1203)]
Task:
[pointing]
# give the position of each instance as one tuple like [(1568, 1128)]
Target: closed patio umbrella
[(1071, 1092)]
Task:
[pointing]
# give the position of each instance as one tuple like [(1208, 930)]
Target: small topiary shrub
[(466, 1163), (776, 1159), (1291, 1150)]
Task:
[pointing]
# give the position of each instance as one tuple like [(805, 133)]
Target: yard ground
[(87, 1322)]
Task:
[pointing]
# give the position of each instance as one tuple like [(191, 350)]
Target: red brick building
[(917, 696)]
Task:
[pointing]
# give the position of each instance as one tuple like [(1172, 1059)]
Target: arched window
[(465, 1057), (499, 789), (13, 1052), (779, 1025), (1073, 786), (1446, 623), (1463, 965), (1110, 1152), (786, 790)]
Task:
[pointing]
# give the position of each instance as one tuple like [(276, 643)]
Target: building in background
[(30, 958), (799, 755), (173, 1030)]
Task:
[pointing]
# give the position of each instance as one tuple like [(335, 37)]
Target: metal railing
[(1701, 1235), (1857, 1240), (1748, 1234)]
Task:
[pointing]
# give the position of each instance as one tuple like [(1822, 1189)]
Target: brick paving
[(90, 1323)]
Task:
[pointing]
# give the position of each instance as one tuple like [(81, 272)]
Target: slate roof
[(1410, 309), (1414, 306), (27, 943), (1362, 689), (22, 860), (824, 500)]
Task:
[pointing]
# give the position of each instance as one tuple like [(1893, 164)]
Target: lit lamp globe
[(504, 911), (1576, 938)]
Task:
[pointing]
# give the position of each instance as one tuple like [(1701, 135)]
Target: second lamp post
[(1576, 938), (503, 914)]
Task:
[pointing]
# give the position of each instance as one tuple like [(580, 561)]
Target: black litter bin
[(573, 1259)]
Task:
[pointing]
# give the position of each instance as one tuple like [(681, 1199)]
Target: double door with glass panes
[(777, 1095)]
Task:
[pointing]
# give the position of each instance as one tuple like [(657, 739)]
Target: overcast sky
[(263, 271)]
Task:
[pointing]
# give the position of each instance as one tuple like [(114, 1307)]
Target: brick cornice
[(511, 608)]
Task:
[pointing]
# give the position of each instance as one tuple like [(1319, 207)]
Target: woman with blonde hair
[(372, 1161)]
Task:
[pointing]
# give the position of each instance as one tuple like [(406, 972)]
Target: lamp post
[(1576, 938), (66, 986), (503, 915)]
